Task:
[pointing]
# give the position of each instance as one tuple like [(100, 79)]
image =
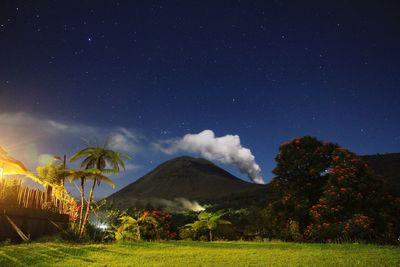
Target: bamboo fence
[(14, 194)]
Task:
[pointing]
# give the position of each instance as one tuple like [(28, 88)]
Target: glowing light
[(102, 226)]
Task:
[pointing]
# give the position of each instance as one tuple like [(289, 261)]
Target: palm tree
[(209, 221), (73, 175), (97, 158)]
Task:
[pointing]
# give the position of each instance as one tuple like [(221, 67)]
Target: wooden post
[(49, 193)]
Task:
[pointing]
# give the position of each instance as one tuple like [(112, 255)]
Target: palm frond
[(88, 163), (82, 153), (108, 171), (87, 174)]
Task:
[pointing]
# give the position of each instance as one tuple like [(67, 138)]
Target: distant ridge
[(184, 177), (387, 165)]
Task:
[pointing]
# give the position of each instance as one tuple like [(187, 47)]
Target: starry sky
[(148, 71)]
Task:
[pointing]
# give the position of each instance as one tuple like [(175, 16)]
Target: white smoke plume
[(190, 205), (226, 149)]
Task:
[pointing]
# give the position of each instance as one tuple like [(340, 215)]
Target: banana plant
[(209, 221)]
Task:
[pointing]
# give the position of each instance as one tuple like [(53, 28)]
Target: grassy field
[(198, 254)]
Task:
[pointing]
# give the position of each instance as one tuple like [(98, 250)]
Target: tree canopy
[(328, 192)]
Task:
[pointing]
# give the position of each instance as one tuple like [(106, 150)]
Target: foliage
[(209, 221), (187, 233), (51, 175), (97, 159), (248, 223), (354, 204), (149, 225), (73, 210), (76, 211), (156, 225), (128, 229), (294, 230), (101, 157), (328, 193), (388, 166), (301, 171), (92, 173)]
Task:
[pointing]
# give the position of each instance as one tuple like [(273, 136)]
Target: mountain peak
[(184, 177)]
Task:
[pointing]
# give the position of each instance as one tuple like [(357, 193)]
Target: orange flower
[(296, 140), (154, 213)]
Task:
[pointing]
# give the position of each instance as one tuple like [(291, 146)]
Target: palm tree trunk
[(82, 203), (210, 233), (87, 208)]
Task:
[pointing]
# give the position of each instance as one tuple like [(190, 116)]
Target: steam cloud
[(179, 204), (226, 149)]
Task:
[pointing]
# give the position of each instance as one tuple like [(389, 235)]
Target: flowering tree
[(301, 171), (354, 204), (155, 225), (326, 192)]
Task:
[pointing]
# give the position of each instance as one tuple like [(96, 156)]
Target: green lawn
[(198, 254)]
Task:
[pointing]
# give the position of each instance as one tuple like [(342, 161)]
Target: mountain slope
[(184, 177)]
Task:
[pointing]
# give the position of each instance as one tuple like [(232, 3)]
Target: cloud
[(226, 149), (124, 140), (131, 167), (32, 138), (33, 126)]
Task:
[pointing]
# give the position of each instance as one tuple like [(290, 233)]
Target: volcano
[(195, 179)]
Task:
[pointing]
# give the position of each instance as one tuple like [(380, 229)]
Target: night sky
[(267, 71)]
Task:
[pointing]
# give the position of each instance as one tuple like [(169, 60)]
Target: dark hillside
[(387, 165)]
